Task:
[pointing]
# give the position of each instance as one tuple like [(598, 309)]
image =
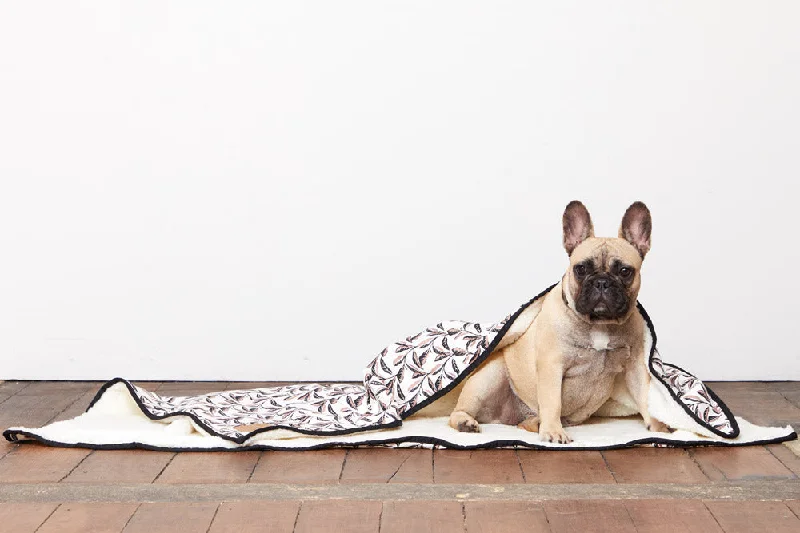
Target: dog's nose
[(601, 284)]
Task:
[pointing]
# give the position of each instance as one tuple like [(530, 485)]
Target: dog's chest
[(596, 353)]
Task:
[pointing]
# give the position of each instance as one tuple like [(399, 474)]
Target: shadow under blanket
[(406, 377)]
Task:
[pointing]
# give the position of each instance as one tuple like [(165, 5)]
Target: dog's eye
[(625, 272), (580, 270)]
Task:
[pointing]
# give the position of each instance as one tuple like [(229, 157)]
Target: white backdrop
[(274, 191)]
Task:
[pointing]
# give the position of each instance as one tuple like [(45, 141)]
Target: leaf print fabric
[(404, 377), (694, 396)]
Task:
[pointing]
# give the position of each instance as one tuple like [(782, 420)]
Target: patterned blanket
[(405, 377)]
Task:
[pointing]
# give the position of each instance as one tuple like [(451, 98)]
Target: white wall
[(257, 191)]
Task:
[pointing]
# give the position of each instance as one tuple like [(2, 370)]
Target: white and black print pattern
[(409, 372), (694, 395), (309, 408), (404, 377)]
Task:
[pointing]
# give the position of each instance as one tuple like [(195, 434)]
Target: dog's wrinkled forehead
[(603, 252)]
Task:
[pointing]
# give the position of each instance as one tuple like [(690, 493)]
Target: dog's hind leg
[(481, 391)]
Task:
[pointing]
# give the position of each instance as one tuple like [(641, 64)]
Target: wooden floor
[(375, 489)]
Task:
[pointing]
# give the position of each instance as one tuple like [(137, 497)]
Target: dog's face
[(603, 279)]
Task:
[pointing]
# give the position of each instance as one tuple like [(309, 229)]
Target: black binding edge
[(419, 439), (481, 358), (726, 411)]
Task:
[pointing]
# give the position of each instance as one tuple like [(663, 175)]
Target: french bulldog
[(585, 348)]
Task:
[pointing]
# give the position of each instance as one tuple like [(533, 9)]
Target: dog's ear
[(577, 225), (636, 227)]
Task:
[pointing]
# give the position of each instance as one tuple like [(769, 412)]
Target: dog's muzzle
[(602, 298)]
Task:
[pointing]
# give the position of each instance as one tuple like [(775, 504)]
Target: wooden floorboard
[(478, 466), (179, 517), (316, 466), (721, 387), (653, 465), (32, 463), (24, 517), (754, 517), (35, 409), (89, 518), (38, 403), (189, 388), (544, 466), (57, 388), (768, 408), (330, 516), (786, 457), (505, 517), (255, 517), (384, 465), (752, 462), (665, 516), (794, 506), (422, 517), (10, 388), (594, 516), (77, 407), (120, 466), (209, 467)]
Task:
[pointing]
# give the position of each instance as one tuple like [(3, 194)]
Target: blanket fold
[(404, 378)]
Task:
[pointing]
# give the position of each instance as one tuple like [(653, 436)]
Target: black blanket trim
[(734, 424), (421, 439), (10, 435)]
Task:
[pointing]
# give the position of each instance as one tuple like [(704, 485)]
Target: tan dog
[(584, 349)]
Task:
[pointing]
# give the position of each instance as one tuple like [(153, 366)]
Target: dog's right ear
[(577, 225)]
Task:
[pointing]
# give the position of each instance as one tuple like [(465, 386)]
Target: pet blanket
[(396, 405)]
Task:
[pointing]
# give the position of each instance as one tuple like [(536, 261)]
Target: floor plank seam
[(255, 465), (344, 463), (128, 521), (433, 464), (691, 455), (165, 467), (789, 400), (546, 515), (48, 518), (630, 516), (519, 462), (792, 511), (73, 402), (608, 466), (13, 394), (794, 476), (297, 516), (713, 515), (76, 466), (208, 529), (398, 468)]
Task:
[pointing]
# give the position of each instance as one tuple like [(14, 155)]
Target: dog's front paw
[(554, 434), (463, 422), (658, 426)]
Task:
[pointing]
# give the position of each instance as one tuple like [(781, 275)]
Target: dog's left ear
[(636, 227)]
